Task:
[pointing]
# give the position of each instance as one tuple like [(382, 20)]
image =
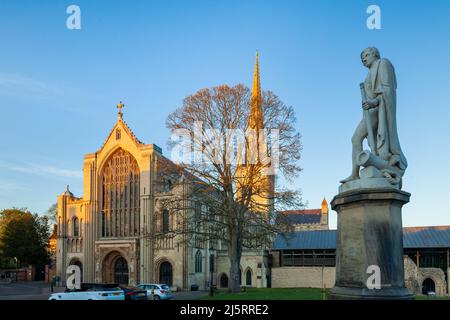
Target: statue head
[(369, 56)]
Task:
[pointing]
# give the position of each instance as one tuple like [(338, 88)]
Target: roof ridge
[(428, 227), (302, 211)]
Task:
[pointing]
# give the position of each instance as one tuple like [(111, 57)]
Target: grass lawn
[(284, 294), (431, 298), (270, 294)]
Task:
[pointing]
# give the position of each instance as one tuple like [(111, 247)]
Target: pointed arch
[(198, 261), (223, 280), (75, 227), (120, 195), (165, 219), (248, 277)]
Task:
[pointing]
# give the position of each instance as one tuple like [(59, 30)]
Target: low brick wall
[(303, 277)]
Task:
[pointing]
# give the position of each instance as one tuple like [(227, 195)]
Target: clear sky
[(59, 87)]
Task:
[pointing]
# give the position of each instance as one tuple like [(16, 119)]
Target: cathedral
[(106, 230)]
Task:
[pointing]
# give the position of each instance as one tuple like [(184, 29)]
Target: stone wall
[(415, 277), (250, 260), (303, 277)]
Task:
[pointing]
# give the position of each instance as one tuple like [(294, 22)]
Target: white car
[(160, 291), (91, 291)]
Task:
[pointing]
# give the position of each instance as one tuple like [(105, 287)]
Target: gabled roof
[(413, 237), (121, 123)]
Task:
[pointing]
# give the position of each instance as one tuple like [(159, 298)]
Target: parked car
[(91, 291), (134, 293), (160, 291)]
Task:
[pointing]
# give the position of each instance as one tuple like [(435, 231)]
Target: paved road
[(38, 290), (189, 295)]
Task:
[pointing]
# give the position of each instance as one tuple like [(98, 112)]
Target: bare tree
[(232, 194)]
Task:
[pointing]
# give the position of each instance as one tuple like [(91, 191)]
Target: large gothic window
[(120, 196)]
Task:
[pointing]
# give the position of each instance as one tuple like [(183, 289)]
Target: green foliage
[(23, 236), (52, 214), (7, 263)]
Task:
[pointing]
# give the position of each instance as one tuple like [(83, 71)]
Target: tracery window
[(120, 196)]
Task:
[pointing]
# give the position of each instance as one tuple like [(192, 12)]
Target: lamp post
[(17, 266), (211, 270)]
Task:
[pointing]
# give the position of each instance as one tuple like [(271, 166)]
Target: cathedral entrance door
[(165, 273), (121, 271), (224, 281)]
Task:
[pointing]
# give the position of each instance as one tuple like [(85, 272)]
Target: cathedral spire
[(256, 114)]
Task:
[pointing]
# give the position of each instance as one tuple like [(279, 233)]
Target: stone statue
[(369, 203), (379, 126)]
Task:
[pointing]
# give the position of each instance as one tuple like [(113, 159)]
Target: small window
[(76, 227), (118, 134), (165, 221), (198, 261)]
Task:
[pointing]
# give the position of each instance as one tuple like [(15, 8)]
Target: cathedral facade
[(109, 231)]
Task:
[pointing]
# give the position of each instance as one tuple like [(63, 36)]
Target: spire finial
[(120, 106), (67, 188)]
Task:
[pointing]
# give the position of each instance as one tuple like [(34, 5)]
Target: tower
[(324, 211), (251, 176)]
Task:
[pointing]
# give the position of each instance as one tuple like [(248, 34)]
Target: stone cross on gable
[(120, 106)]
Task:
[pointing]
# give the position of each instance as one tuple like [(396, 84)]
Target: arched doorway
[(165, 273), (224, 281), (121, 271), (427, 286), (248, 278), (115, 268)]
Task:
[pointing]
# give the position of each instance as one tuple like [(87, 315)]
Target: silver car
[(160, 291), (91, 291)]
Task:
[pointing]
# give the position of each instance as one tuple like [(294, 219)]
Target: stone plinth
[(370, 233)]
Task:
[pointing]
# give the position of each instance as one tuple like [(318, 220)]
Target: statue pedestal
[(370, 234)]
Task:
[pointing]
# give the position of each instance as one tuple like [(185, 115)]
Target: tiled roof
[(426, 237), (413, 237), (315, 239), (309, 216)]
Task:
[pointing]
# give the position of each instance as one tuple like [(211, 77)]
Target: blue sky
[(59, 87)]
